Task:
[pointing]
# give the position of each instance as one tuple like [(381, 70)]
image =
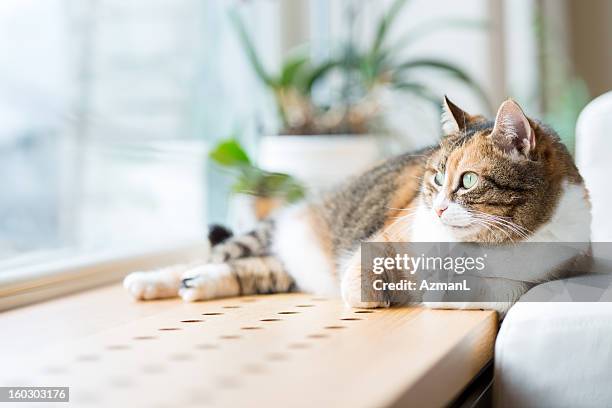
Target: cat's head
[(495, 181)]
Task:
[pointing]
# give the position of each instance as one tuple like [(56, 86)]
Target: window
[(107, 110)]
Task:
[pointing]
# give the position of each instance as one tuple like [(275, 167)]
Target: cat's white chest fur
[(571, 221)]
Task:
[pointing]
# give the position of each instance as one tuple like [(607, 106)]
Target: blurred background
[(134, 124)]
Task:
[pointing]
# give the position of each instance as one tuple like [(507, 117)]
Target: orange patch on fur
[(403, 200)]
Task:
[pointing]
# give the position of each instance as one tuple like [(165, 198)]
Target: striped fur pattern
[(240, 265), (237, 277), (252, 244)]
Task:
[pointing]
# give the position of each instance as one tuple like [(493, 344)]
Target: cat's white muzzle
[(458, 220)]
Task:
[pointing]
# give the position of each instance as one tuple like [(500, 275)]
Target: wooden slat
[(111, 352)]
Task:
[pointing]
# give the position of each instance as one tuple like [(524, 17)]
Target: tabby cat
[(510, 180)]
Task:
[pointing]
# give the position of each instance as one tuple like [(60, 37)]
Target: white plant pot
[(241, 213), (245, 211), (319, 161)]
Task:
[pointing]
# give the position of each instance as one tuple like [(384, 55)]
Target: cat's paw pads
[(152, 285), (208, 281)]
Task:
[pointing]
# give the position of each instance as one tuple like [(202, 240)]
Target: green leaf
[(293, 191), (229, 153), (291, 70), (571, 97), (373, 66), (385, 24), (317, 72), (249, 181), (283, 185), (255, 181), (445, 67), (250, 50)]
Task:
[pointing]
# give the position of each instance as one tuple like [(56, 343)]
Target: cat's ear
[(454, 119), (512, 132)]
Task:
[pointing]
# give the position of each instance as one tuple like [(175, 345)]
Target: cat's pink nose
[(440, 210)]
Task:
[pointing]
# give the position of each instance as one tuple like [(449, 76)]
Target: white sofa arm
[(594, 159)]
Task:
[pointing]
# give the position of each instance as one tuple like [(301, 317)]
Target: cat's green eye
[(469, 180), (439, 178)]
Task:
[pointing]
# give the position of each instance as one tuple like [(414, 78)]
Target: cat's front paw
[(158, 284), (352, 296), (210, 281)]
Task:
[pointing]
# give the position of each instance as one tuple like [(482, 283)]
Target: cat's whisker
[(498, 227), (507, 221), (482, 224), (523, 232), (506, 228), (519, 230), (501, 219)]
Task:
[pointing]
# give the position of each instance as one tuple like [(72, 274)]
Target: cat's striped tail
[(226, 247)]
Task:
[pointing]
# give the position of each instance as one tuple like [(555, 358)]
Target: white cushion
[(593, 149), (557, 354)]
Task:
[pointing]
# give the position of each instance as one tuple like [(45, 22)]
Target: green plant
[(365, 72), (560, 94), (563, 112), (379, 63), (251, 179), (291, 86)]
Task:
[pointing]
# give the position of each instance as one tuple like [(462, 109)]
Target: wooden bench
[(280, 350)]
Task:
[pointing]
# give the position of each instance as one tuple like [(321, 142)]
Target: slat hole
[(181, 357), (335, 327), (228, 382), (207, 346), (251, 328), (318, 336), (192, 321), (299, 346), (270, 320), (350, 319), (212, 314), (229, 337), (169, 329), (277, 356), (118, 347), (287, 313), (364, 311), (254, 368), (144, 338)]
